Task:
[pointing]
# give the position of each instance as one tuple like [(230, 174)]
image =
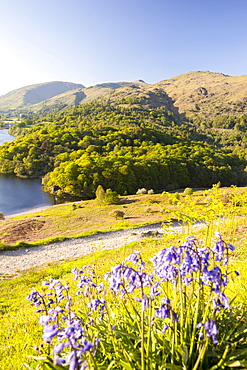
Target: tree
[(100, 194), (111, 197)]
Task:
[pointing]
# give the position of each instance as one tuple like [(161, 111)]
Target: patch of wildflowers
[(192, 274)]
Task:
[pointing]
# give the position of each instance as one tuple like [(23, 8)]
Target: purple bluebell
[(97, 304), (44, 319), (60, 347), (165, 328), (211, 329), (163, 312), (59, 361), (133, 257), (35, 298), (49, 332)]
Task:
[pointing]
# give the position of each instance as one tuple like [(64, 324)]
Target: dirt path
[(12, 262)]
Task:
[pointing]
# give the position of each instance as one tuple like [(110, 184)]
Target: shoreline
[(32, 210), (35, 209)]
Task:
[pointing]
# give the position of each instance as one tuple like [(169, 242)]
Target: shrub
[(174, 198), (117, 214), (2, 216), (188, 191), (111, 197)]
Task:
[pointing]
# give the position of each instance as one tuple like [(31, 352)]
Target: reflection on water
[(17, 194), (5, 137)]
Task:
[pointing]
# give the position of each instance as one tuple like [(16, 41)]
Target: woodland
[(130, 139)]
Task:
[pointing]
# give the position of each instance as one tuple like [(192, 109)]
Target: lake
[(17, 194)]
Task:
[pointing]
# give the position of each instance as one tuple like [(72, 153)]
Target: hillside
[(80, 96), (187, 131), (207, 94), (54, 96), (194, 95), (26, 96)]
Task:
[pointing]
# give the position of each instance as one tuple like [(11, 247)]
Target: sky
[(97, 41)]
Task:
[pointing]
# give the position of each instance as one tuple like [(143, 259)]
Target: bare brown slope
[(206, 93)]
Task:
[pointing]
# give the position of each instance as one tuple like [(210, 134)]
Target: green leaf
[(173, 367), (111, 365), (126, 365), (241, 363)]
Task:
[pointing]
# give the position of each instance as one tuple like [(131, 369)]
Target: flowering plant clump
[(169, 313)]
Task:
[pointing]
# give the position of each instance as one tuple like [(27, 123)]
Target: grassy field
[(81, 219), (222, 210)]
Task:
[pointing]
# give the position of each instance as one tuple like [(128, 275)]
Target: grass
[(19, 329), (82, 218), (77, 220)]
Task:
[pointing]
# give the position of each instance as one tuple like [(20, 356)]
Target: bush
[(174, 198), (111, 197), (188, 191), (117, 214), (2, 216)]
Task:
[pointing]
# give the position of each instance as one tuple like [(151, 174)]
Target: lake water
[(17, 194)]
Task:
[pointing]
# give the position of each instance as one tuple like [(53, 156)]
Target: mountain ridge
[(201, 94), (41, 97)]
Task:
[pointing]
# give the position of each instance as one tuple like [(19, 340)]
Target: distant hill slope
[(33, 94), (54, 96), (207, 94), (199, 94), (82, 95)]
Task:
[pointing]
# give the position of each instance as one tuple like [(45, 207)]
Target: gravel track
[(11, 262)]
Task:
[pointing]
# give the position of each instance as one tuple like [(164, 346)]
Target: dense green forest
[(125, 147)]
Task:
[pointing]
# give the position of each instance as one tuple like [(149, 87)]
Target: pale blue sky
[(96, 41)]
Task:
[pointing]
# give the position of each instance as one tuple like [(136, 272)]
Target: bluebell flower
[(133, 257), (175, 316), (165, 328), (59, 361), (96, 304), (211, 329), (35, 298), (163, 312), (44, 319), (60, 347), (49, 332)]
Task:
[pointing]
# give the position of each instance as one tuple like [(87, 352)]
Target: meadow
[(184, 309)]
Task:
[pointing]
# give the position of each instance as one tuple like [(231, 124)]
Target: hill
[(194, 95), (187, 131), (26, 96), (207, 94), (80, 96), (54, 96)]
